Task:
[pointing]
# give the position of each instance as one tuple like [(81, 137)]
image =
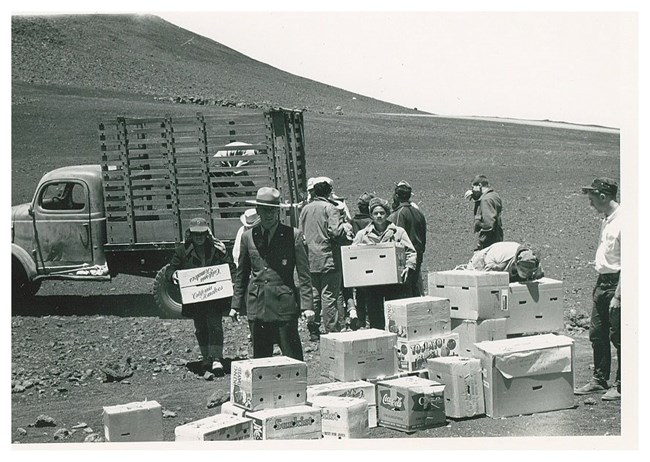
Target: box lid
[(527, 356), (337, 401), (363, 334), (204, 275), (471, 278), (379, 245)]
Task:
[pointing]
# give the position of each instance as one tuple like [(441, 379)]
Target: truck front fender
[(25, 259)]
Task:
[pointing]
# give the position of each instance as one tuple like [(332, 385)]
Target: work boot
[(314, 331), (612, 395), (593, 386), (217, 368)]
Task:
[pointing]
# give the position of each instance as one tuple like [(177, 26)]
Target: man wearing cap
[(200, 249), (487, 212), (412, 220), (321, 223), (605, 323), (270, 253), (520, 261)]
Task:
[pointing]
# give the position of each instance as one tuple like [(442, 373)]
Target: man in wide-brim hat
[(270, 252)]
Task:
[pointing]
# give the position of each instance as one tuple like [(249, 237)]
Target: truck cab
[(61, 233)]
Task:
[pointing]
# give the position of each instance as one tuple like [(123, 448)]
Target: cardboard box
[(463, 385), (372, 265), (410, 403), (356, 389), (219, 427), (203, 284), (472, 294), (289, 423), (343, 417), (412, 355), (231, 408), (527, 374), (265, 383), (138, 421), (361, 354), (471, 332), (417, 317), (535, 306)]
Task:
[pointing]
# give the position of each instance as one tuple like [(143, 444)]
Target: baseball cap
[(199, 225), (404, 186), (602, 185)]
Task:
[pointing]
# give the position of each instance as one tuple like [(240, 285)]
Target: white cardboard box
[(354, 389), (343, 417), (372, 265), (535, 306), (472, 294), (358, 355), (203, 284), (138, 421), (410, 403), (264, 383), (412, 355), (417, 317), (231, 408), (463, 385), (219, 427), (527, 374), (471, 332), (288, 423)]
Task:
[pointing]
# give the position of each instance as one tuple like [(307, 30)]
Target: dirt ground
[(58, 353)]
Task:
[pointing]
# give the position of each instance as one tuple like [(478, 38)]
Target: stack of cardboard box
[(272, 393), (423, 328), (478, 304)]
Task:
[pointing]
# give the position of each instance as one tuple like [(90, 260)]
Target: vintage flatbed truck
[(127, 214)]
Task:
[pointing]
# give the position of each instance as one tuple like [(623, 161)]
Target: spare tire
[(167, 295)]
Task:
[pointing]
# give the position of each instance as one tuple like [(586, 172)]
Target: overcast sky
[(530, 65)]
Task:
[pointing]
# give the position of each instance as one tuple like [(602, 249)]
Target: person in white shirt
[(606, 311)]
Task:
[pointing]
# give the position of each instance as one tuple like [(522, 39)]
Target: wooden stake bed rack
[(158, 173)]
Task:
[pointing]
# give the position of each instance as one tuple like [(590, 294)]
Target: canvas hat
[(249, 218), (602, 185), (199, 225), (323, 179), (267, 197), (527, 259), (310, 183)]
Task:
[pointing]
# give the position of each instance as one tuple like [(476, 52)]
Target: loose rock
[(218, 398), (44, 421), (62, 434), (94, 438)]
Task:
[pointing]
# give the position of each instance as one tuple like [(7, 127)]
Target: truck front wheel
[(167, 295), (22, 289)]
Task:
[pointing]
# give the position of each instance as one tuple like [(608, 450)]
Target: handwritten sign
[(204, 284)]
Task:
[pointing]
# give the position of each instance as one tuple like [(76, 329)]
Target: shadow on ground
[(131, 305)]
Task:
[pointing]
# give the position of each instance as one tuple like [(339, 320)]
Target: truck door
[(62, 226)]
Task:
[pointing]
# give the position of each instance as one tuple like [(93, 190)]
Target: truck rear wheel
[(167, 295)]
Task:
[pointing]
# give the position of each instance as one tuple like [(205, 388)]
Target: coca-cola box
[(203, 284), (410, 403)]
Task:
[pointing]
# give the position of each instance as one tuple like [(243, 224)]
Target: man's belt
[(609, 277)]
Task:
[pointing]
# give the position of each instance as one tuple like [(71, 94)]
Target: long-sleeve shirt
[(393, 233)]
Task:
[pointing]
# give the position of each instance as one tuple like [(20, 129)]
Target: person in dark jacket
[(270, 252), (201, 249), (412, 220), (487, 212)]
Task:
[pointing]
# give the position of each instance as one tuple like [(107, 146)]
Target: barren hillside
[(146, 55)]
